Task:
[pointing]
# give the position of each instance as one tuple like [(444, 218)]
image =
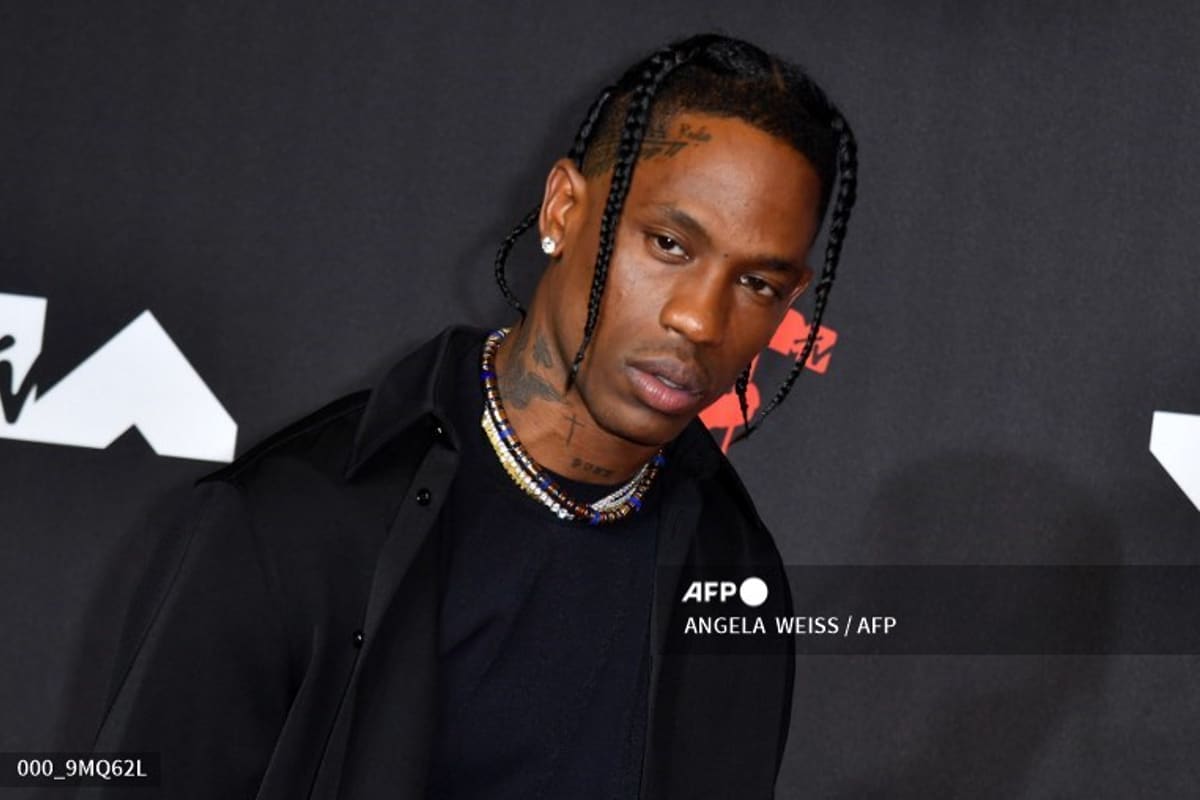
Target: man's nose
[(698, 307)]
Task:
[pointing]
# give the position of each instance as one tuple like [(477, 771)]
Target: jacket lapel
[(404, 439), (407, 413), (692, 458)]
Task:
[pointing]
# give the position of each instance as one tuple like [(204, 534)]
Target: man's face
[(709, 254)]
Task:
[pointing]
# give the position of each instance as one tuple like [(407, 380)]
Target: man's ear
[(802, 285), (562, 204)]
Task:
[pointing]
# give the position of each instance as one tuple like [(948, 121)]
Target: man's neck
[(553, 424)]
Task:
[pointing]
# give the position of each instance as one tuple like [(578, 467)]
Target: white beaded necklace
[(532, 478)]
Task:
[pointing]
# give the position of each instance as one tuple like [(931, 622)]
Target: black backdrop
[(298, 193)]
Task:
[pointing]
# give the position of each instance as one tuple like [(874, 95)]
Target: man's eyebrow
[(778, 264), (685, 221), (689, 224)]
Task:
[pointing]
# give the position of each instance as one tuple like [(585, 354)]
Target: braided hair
[(723, 76), (578, 149)]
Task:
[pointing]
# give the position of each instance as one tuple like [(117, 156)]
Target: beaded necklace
[(530, 476)]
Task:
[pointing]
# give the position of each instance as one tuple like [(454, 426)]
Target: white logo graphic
[(139, 378), (1175, 442), (753, 591)]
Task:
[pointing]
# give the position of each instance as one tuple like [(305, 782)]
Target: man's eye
[(759, 286), (668, 245)]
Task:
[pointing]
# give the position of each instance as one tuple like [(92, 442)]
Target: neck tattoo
[(532, 477)]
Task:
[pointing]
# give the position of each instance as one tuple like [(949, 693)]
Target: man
[(459, 584)]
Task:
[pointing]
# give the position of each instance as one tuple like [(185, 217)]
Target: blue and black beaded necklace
[(532, 478)]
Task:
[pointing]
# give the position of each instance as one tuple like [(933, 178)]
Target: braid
[(847, 163), (656, 68), (502, 255), (579, 148), (527, 222), (743, 380)]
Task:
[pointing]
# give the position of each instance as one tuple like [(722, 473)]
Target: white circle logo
[(753, 592)]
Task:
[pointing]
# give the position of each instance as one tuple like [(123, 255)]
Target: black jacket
[(284, 642)]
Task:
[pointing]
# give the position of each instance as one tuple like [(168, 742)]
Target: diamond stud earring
[(548, 245)]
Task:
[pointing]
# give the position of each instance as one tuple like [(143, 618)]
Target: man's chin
[(642, 426)]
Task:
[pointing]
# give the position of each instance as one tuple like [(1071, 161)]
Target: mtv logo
[(22, 320), (1175, 442), (791, 335), (139, 379), (788, 340)]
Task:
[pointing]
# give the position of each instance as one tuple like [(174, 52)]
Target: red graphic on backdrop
[(725, 413)]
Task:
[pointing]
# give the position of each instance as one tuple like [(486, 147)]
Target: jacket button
[(424, 496), (357, 638)]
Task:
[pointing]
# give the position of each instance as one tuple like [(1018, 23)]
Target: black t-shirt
[(544, 642)]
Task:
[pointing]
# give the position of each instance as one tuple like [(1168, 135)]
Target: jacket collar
[(409, 397), (413, 396)]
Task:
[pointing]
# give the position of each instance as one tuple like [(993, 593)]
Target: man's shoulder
[(317, 439), (729, 508), (721, 485), (741, 500), (330, 440), (731, 532)]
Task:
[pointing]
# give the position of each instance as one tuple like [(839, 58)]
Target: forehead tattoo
[(658, 143)]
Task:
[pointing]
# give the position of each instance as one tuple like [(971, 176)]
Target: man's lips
[(667, 385)]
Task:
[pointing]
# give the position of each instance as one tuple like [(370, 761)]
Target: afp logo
[(752, 591)]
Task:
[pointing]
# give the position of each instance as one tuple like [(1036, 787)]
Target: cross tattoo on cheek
[(574, 422)]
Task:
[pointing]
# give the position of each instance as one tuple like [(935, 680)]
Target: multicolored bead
[(530, 476)]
